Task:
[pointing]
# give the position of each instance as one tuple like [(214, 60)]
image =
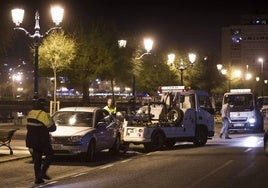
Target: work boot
[(39, 181), (46, 177)]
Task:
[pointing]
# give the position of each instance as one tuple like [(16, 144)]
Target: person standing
[(225, 115), (110, 107), (39, 124)]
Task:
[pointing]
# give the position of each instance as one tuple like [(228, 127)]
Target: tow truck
[(180, 116)]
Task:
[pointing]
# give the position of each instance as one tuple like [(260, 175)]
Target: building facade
[(242, 46)]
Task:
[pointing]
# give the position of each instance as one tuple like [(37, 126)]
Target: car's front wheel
[(90, 155)]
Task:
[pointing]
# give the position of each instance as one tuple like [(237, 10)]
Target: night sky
[(190, 25)]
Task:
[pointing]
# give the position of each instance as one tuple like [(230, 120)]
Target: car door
[(103, 133)]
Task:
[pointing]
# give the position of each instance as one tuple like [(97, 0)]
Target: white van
[(245, 113)]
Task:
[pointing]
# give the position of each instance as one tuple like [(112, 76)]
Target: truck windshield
[(240, 102)]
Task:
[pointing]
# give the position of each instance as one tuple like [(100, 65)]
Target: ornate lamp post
[(148, 45), (17, 17), (182, 65)]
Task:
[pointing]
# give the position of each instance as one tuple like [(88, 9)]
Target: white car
[(84, 131)]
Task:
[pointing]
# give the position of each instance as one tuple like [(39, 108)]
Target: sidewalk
[(17, 143)]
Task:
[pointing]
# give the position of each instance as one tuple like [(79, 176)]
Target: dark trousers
[(41, 167)]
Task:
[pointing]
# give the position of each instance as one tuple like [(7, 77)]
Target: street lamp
[(148, 45), (17, 17), (182, 65)]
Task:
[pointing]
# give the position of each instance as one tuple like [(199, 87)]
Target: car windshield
[(240, 102), (78, 119)]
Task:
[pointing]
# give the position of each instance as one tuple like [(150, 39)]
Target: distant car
[(265, 142), (84, 131)]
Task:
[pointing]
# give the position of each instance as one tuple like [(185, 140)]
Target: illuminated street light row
[(17, 17), (233, 75)]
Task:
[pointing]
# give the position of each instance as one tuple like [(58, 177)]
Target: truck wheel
[(175, 115), (170, 143), (201, 137), (147, 147), (156, 143)]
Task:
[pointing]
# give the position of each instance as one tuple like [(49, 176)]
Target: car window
[(101, 114), (78, 119)]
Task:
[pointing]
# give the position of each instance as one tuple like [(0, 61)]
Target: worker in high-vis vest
[(39, 124), (110, 107)]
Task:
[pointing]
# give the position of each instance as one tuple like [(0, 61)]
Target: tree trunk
[(85, 88), (55, 92), (112, 85)]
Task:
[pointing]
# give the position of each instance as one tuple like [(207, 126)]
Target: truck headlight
[(251, 120)]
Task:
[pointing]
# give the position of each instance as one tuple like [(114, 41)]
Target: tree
[(99, 56), (57, 52), (204, 74), (154, 72)]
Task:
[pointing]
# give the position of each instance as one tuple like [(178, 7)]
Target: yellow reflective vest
[(110, 109), (41, 116)]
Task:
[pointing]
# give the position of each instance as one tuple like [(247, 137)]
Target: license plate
[(56, 146), (130, 130), (238, 125)]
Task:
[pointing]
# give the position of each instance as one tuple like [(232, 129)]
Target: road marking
[(127, 160), (211, 173), (80, 174), (106, 166), (247, 150)]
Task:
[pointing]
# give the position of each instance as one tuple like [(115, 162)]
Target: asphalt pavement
[(17, 143)]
